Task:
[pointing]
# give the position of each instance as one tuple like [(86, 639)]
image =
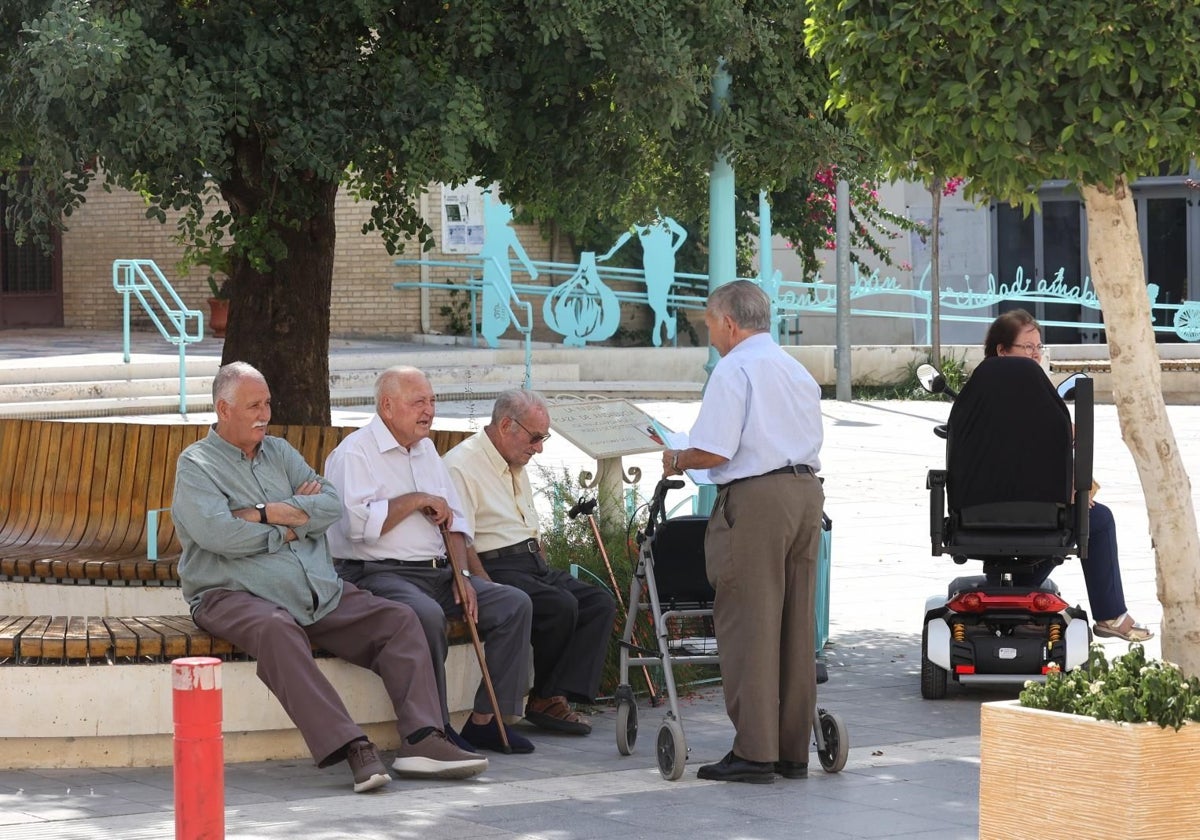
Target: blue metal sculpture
[(583, 309), (660, 240), (498, 291)]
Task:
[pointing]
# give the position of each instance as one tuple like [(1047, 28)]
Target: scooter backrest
[(1009, 441)]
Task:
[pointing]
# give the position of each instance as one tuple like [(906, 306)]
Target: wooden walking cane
[(457, 564), (587, 508)]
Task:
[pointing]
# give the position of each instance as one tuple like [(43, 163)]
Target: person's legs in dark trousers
[(572, 623), (505, 622), (1101, 569)]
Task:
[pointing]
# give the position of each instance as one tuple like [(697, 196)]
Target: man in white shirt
[(572, 620), (759, 434), (396, 497)]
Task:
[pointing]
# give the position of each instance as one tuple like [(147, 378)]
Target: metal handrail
[(526, 329), (168, 313)]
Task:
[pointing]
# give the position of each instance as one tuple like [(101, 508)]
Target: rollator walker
[(671, 584)]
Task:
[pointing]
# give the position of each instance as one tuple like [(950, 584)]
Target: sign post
[(606, 430)]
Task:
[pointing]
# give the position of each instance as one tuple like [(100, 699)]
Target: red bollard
[(199, 750)]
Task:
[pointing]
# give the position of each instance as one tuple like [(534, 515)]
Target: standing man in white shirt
[(396, 495), (759, 434)]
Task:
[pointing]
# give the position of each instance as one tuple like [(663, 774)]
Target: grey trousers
[(505, 616), (363, 630), (760, 550)]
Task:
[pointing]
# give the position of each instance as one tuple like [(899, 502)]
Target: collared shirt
[(220, 551), (498, 498), (761, 410), (369, 468)]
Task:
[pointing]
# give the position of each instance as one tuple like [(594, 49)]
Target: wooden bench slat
[(76, 640), (54, 639), (174, 641), (29, 642), (125, 639), (11, 628), (99, 639)]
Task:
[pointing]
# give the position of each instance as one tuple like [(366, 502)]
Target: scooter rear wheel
[(933, 677)]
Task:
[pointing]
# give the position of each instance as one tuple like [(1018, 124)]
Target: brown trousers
[(761, 555), (364, 630)]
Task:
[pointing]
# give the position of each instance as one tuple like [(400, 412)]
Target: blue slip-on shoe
[(487, 737)]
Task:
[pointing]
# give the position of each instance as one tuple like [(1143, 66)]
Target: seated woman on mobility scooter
[(1017, 333)]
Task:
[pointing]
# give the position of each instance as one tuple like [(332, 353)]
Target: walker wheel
[(837, 741), (627, 726), (672, 750)]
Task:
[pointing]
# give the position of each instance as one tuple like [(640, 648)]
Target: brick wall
[(113, 226)]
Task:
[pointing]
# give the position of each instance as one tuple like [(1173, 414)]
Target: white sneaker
[(434, 756)]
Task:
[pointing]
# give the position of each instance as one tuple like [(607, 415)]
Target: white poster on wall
[(462, 218)]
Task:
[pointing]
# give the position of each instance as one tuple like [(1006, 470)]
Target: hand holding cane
[(457, 564)]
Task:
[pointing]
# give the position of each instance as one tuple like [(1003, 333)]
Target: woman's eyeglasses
[(533, 439), (1030, 349)]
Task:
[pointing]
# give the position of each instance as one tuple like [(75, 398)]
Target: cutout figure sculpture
[(660, 240), (499, 239)]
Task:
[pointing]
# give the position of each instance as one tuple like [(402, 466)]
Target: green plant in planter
[(1130, 688), (220, 291)]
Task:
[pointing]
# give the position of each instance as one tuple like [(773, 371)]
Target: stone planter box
[(1046, 773)]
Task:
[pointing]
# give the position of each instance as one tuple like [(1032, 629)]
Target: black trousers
[(572, 625)]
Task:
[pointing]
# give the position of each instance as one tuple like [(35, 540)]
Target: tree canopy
[(1010, 93), (579, 108), (1013, 93)]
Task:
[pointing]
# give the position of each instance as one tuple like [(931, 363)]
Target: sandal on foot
[(554, 714), (1122, 627)]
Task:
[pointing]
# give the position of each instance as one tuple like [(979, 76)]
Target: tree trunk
[(279, 319), (1118, 273)]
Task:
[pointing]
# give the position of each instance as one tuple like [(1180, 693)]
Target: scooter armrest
[(935, 482)]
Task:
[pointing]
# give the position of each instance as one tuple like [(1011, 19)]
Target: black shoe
[(792, 769), (486, 736), (734, 769)]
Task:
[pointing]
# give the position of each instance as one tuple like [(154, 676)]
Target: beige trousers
[(761, 556)]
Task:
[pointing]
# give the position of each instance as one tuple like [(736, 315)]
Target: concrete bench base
[(121, 715)]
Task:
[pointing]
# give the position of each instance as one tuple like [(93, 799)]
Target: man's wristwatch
[(675, 461), (262, 512), (466, 573)]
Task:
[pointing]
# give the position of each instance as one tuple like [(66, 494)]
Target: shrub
[(1131, 689)]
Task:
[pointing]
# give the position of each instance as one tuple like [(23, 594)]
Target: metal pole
[(199, 750), (722, 231), (842, 354)]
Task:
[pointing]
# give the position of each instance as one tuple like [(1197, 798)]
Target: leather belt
[(790, 469), (431, 563), (526, 548)]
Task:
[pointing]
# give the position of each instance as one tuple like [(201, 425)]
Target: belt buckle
[(531, 545)]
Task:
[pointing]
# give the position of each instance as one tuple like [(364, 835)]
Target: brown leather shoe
[(554, 714)]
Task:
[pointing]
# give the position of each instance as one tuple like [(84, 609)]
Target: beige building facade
[(113, 225)]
